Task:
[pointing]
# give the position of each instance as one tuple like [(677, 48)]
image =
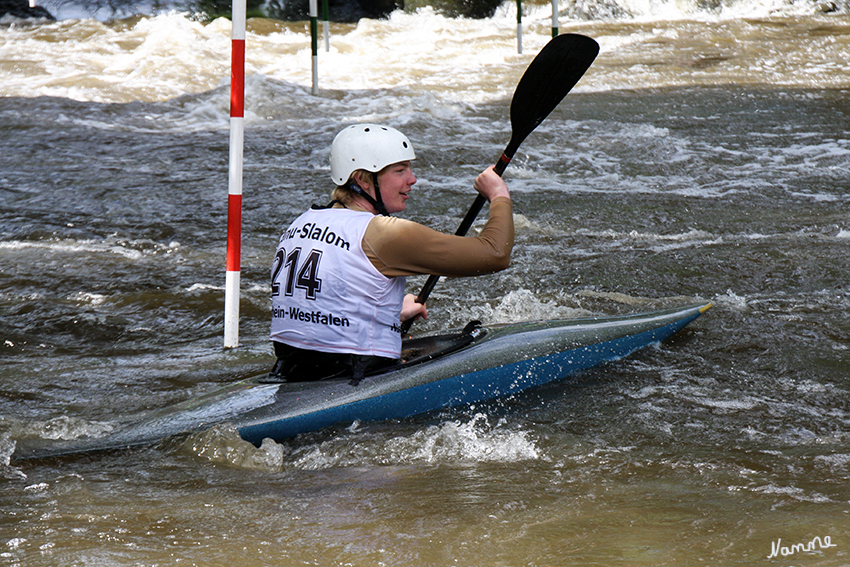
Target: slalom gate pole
[(314, 40), (555, 18), (519, 26), (234, 188), (326, 24)]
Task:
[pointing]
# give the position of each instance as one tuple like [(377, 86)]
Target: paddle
[(548, 79)]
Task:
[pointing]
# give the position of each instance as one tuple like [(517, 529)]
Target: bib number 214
[(297, 275)]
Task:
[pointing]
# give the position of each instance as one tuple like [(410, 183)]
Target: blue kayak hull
[(468, 388), (501, 361)]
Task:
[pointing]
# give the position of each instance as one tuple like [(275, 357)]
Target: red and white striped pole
[(234, 188)]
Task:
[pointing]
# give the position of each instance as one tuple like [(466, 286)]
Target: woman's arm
[(399, 247)]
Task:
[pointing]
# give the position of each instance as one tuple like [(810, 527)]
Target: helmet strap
[(378, 203)]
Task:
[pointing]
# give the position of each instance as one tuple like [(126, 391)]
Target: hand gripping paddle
[(548, 79)]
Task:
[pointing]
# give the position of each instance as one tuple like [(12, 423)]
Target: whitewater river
[(705, 155)]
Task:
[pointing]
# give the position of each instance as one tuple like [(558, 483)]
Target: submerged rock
[(351, 10), (457, 8), (22, 9)]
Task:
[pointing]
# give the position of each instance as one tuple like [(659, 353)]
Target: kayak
[(476, 364)]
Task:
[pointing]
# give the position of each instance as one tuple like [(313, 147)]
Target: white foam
[(474, 441), (836, 461), (732, 300), (518, 305), (457, 441), (455, 60), (7, 447), (62, 427), (89, 298), (74, 247), (223, 445)]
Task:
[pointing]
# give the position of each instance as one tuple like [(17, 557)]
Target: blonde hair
[(345, 195)]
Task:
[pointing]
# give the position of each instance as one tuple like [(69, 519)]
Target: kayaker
[(339, 272)]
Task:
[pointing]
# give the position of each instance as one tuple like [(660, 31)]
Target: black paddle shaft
[(548, 79)]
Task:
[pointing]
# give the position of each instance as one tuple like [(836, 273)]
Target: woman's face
[(395, 182)]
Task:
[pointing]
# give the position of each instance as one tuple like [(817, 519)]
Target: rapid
[(704, 156)]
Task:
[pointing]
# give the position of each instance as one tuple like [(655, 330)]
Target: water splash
[(7, 447), (222, 445), (519, 305), (59, 428), (455, 442), (474, 441)]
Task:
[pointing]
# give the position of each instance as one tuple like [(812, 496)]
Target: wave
[(569, 9), (677, 9), (376, 69)]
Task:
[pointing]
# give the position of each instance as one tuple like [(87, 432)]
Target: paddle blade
[(548, 79)]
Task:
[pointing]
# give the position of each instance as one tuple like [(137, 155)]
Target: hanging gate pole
[(314, 41), (554, 18), (234, 188), (326, 25), (519, 26)]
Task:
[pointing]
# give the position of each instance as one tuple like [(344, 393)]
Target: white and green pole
[(519, 26), (326, 25), (554, 18), (234, 188), (314, 41)]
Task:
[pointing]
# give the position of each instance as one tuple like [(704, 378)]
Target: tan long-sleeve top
[(399, 247)]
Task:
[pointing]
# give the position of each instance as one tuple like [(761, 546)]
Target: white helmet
[(367, 146)]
